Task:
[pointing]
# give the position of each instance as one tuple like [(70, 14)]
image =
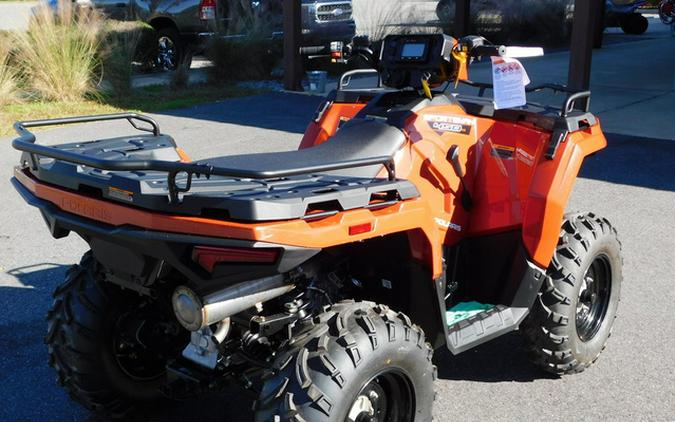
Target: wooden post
[(462, 18), (293, 70), (583, 37), (600, 25)]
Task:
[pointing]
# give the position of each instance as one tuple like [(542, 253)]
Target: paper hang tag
[(509, 79)]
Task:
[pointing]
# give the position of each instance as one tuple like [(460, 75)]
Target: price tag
[(509, 79)]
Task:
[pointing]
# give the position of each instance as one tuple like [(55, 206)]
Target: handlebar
[(309, 51), (487, 51), (476, 47)]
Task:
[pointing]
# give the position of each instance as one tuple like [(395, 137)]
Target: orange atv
[(324, 278)]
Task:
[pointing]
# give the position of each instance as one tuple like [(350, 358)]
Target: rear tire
[(573, 316), (359, 360), (83, 338)]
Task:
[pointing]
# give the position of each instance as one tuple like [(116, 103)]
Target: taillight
[(207, 10), (208, 257), (360, 229), (336, 50)]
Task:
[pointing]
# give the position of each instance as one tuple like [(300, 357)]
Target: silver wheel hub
[(363, 406), (167, 53), (586, 297)]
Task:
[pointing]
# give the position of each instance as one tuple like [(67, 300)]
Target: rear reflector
[(360, 229), (208, 257), (207, 10)]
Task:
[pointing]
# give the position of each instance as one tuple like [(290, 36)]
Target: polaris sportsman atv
[(323, 279)]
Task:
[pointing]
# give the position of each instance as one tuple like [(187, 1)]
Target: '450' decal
[(453, 124)]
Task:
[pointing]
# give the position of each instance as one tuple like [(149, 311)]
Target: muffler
[(195, 313)]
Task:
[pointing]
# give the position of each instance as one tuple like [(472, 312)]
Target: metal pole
[(462, 18), (583, 36), (292, 32)]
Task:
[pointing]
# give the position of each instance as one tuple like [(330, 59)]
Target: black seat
[(358, 138)]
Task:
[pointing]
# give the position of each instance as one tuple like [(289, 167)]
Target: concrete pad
[(654, 116), (15, 15)]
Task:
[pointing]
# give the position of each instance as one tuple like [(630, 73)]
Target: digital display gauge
[(413, 51)]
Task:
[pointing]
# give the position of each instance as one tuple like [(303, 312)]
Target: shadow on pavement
[(282, 111), (630, 160), (27, 381), (230, 404), (501, 360)]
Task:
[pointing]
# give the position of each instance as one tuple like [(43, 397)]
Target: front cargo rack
[(26, 142), (571, 117)]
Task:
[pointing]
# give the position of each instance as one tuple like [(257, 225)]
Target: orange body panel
[(512, 184), (324, 233), (550, 190), (318, 133), (184, 157)]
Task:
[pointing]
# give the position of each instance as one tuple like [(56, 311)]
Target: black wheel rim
[(593, 299), (167, 57), (386, 397), (141, 345)]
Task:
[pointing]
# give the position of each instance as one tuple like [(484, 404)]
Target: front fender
[(550, 191)]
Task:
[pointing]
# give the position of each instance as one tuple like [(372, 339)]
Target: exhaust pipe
[(195, 313)]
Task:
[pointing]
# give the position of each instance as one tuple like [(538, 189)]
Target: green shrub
[(533, 22), (144, 35), (180, 78), (257, 22), (9, 75), (243, 58), (247, 50), (122, 44), (59, 52), (377, 18)]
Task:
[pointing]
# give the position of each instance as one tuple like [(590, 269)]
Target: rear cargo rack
[(26, 143)]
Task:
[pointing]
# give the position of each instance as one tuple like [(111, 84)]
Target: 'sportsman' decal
[(453, 124)]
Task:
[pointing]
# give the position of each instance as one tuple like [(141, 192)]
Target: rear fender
[(550, 190)]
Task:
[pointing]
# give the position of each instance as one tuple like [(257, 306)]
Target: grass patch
[(9, 74), (59, 52), (149, 99)]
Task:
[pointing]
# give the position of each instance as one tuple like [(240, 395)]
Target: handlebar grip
[(488, 51), (308, 51)]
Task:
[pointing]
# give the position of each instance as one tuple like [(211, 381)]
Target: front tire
[(573, 316), (360, 362), (104, 353), (172, 50)]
